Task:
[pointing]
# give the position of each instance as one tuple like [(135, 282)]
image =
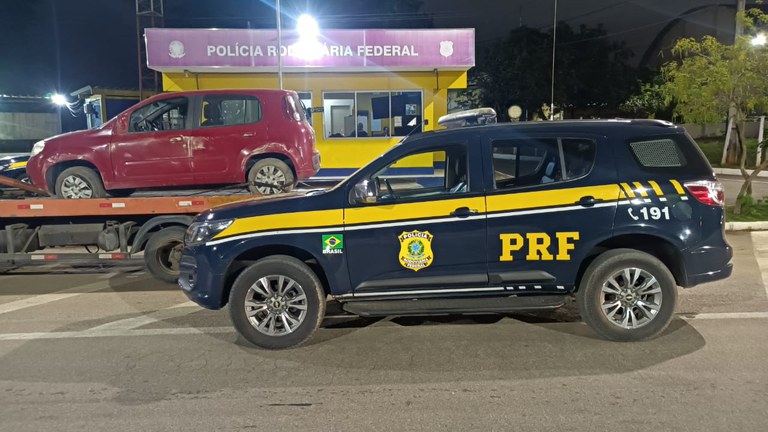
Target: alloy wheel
[(631, 298), (276, 305)]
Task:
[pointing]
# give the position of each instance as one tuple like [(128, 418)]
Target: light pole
[(279, 47), (552, 89)]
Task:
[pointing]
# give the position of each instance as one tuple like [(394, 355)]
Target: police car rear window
[(658, 153)]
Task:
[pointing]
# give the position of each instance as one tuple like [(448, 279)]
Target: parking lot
[(100, 348)]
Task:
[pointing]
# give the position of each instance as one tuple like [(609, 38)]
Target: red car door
[(154, 150), (230, 127)]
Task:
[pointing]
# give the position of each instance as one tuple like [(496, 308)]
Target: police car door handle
[(588, 201), (463, 212)]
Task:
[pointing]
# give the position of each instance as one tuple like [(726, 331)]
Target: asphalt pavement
[(94, 348)]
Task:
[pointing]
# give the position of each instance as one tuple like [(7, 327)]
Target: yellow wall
[(338, 152)]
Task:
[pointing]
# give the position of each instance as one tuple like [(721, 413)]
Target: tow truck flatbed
[(148, 225)]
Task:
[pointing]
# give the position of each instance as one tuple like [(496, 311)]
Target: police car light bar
[(473, 117)]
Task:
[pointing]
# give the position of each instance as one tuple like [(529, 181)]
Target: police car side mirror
[(365, 192)]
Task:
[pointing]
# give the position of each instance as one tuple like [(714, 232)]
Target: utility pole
[(279, 46), (552, 89)]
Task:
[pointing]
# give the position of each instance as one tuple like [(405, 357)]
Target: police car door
[(551, 199), (422, 234)]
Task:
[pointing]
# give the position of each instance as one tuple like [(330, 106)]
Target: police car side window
[(579, 157), (536, 161), (424, 174)]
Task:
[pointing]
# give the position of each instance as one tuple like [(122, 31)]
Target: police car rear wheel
[(627, 295), (277, 303)]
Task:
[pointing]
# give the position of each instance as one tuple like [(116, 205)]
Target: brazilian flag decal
[(333, 243)]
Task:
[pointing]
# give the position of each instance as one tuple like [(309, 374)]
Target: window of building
[(535, 161), (395, 184), (372, 114), (161, 115), (229, 110)]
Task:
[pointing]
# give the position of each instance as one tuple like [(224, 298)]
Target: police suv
[(525, 216)]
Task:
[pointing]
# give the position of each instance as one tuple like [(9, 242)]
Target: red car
[(259, 137)]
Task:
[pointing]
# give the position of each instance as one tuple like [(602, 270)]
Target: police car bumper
[(712, 276), (199, 282), (700, 261)]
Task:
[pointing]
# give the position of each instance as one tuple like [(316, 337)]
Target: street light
[(759, 40), (307, 27), (308, 47), (58, 99)]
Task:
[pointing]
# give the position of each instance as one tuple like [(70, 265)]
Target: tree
[(649, 101), (709, 78)]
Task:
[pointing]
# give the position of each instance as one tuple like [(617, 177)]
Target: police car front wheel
[(278, 302), (627, 295)]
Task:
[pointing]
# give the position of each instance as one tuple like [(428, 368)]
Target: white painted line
[(760, 248), (52, 297), (216, 330), (115, 333), (726, 315), (174, 311)]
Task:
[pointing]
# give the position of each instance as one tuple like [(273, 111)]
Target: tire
[(163, 252), (248, 287), (79, 182), (273, 172), (611, 314), (121, 193)]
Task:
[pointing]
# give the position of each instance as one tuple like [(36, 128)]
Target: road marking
[(115, 333), (760, 247), (725, 315), (173, 331), (42, 299), (174, 311)]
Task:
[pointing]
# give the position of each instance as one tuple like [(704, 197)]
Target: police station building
[(366, 89)]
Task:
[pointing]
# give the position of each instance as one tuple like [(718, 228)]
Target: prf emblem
[(416, 250)]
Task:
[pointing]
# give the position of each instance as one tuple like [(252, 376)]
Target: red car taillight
[(707, 192)]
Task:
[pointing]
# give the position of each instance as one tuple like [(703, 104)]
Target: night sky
[(62, 45)]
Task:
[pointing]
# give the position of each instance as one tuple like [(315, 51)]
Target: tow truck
[(38, 229)]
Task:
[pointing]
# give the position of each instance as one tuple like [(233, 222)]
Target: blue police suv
[(615, 214)]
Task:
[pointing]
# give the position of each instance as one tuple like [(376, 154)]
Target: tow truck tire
[(82, 176), (249, 307), (270, 170), (163, 252), (627, 295)]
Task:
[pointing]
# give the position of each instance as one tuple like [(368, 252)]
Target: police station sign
[(170, 50)]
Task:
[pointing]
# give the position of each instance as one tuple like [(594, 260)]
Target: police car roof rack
[(473, 117), (652, 122)]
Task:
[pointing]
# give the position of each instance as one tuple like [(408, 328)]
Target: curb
[(736, 172), (747, 226)]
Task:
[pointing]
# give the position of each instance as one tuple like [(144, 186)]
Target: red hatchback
[(212, 137)]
